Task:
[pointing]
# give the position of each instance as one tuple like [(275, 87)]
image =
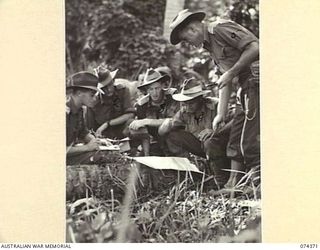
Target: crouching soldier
[(82, 147), (190, 130), (151, 111), (113, 110)]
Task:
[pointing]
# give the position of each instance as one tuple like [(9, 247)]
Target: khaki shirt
[(195, 123), (226, 40), (167, 109), (111, 107)]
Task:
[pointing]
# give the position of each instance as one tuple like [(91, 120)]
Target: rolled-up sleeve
[(140, 112), (178, 121), (127, 102)]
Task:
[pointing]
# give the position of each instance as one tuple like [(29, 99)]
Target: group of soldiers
[(165, 121)]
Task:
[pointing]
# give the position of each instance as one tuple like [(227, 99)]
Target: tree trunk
[(172, 9)]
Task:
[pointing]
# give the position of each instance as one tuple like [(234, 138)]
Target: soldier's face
[(192, 33), (155, 91), (191, 106), (88, 98)]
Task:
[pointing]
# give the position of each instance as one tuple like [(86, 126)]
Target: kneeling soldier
[(113, 110), (152, 109), (190, 130), (83, 88)]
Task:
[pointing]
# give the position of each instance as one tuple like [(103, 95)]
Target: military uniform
[(110, 108), (145, 109), (183, 138), (76, 131), (226, 40)]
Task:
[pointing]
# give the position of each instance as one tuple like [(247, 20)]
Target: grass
[(185, 211)]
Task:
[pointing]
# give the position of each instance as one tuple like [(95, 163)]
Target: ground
[(119, 202)]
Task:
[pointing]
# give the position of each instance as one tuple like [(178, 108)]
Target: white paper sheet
[(176, 163)]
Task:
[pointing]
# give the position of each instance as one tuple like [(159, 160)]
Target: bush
[(117, 33)]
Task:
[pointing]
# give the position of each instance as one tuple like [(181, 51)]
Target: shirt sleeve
[(83, 130), (235, 35), (127, 102), (178, 121), (140, 111)]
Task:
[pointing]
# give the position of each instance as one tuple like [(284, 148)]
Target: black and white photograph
[(162, 121)]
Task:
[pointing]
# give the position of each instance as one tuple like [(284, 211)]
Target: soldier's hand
[(136, 124), (217, 123), (100, 130), (205, 134), (92, 145), (225, 79)]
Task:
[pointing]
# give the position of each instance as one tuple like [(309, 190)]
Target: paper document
[(175, 163), (111, 148)]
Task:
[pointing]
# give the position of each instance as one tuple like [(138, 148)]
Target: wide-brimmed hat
[(105, 76), (180, 20), (152, 76), (165, 70), (84, 80), (190, 90)]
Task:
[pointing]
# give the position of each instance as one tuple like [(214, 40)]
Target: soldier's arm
[(90, 146), (171, 123), (153, 122), (77, 150), (249, 55), (224, 96), (121, 119)]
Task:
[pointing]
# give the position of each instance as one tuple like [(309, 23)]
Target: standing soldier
[(235, 51)]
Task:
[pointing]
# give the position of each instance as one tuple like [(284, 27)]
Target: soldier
[(152, 109), (190, 130), (113, 110), (234, 50), (83, 89)]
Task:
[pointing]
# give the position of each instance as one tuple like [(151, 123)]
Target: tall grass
[(185, 212)]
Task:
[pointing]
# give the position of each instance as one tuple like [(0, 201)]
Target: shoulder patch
[(212, 25), (143, 100)]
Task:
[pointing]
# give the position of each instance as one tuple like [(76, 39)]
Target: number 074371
[(308, 245)]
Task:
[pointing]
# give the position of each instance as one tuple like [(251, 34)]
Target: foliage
[(181, 215), (117, 33), (127, 34), (244, 12), (184, 212)]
